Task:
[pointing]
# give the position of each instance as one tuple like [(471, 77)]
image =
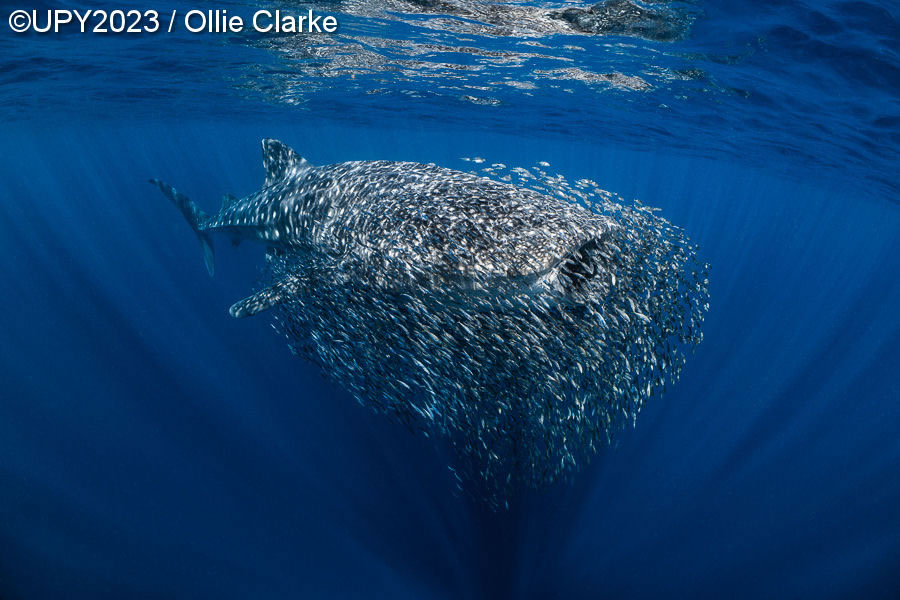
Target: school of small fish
[(525, 384)]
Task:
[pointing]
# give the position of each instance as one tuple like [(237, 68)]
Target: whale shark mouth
[(525, 387)]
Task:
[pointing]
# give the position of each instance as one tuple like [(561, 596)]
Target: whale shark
[(420, 214), (524, 326)]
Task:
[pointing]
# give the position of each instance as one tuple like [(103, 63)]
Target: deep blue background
[(151, 446)]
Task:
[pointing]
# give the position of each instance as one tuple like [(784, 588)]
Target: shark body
[(524, 327), (404, 219)]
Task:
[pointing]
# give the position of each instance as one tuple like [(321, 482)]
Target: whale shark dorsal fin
[(279, 160), (228, 200)]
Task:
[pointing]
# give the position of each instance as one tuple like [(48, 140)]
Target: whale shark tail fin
[(195, 217)]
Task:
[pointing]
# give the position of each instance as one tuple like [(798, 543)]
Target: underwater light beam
[(524, 327)]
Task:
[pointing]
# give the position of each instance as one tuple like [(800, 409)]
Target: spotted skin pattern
[(464, 226), (525, 327)]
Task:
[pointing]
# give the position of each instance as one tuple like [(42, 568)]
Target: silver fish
[(524, 327)]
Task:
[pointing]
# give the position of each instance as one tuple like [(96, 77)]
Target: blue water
[(151, 446)]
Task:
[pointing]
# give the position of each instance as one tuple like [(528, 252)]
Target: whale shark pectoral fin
[(280, 160), (261, 301), (265, 298)]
